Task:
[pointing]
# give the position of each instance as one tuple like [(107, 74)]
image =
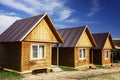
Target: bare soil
[(75, 75)]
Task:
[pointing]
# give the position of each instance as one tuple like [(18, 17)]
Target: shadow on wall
[(116, 55)]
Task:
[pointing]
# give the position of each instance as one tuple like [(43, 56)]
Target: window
[(37, 52), (82, 53), (106, 54)]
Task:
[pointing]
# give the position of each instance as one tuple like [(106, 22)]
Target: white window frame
[(83, 56), (106, 56), (38, 52)]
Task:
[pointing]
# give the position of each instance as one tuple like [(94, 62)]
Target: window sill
[(82, 58), (106, 58), (36, 59)]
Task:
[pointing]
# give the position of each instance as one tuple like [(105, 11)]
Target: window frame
[(106, 55), (82, 53), (38, 46)]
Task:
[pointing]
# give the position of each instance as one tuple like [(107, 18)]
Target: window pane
[(35, 54), (105, 54), (34, 51), (41, 51), (34, 47), (82, 53)]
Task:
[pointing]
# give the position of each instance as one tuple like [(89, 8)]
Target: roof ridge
[(72, 28), (102, 33), (31, 17)]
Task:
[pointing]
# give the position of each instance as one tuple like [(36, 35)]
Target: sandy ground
[(70, 75)]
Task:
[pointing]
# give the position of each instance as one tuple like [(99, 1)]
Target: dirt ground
[(113, 76), (73, 75)]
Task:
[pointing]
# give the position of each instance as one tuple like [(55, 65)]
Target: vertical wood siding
[(10, 55), (108, 44), (42, 32), (84, 41), (97, 57), (66, 56)]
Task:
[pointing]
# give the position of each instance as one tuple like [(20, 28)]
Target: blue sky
[(99, 15)]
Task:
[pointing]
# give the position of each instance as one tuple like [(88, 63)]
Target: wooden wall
[(81, 62), (106, 61), (10, 55), (28, 63), (107, 44), (84, 41), (54, 56), (66, 56), (97, 57), (42, 32)]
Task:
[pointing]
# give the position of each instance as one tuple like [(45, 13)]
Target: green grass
[(67, 68), (103, 67), (99, 66), (9, 75)]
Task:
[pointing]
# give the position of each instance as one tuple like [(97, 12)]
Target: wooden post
[(92, 56), (111, 56), (57, 54)]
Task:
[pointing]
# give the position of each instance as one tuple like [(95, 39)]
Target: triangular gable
[(44, 31), (41, 32), (86, 39), (109, 43)]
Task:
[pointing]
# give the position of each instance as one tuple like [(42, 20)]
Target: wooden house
[(27, 44), (75, 50), (102, 53)]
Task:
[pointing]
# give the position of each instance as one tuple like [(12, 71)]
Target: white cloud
[(7, 13), (95, 8), (34, 7), (65, 13), (6, 21), (17, 5)]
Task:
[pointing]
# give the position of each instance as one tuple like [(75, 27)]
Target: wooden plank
[(84, 41), (28, 63), (42, 32), (106, 61), (81, 62), (107, 44), (10, 55)]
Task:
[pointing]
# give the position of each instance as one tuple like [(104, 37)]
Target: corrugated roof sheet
[(100, 39), (19, 28), (71, 36)]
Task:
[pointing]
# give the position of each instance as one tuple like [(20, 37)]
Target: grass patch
[(67, 68), (99, 66), (9, 75), (103, 67)]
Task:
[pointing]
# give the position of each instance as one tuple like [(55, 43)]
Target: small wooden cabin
[(27, 44), (75, 50), (102, 53)]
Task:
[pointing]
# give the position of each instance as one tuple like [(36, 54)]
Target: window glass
[(34, 51), (106, 54), (82, 53), (38, 52)]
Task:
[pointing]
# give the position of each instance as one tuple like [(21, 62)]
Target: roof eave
[(60, 38)]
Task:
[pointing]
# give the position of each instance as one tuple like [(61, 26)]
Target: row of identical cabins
[(34, 43)]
